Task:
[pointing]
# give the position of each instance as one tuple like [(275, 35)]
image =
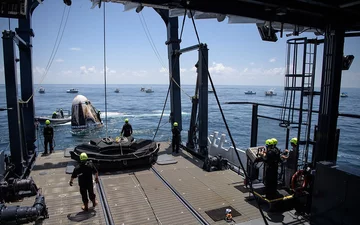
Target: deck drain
[(242, 188), (219, 214)]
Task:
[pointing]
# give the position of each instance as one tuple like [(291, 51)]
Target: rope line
[(106, 121), (52, 56)]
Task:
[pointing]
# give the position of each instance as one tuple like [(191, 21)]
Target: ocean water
[(144, 111)]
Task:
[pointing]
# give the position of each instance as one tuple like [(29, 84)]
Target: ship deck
[(141, 197)]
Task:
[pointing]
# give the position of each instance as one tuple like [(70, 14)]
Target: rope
[(106, 121), (52, 56), (228, 129), (167, 95)]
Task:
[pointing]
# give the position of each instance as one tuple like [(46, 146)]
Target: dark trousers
[(48, 140), (175, 144), (84, 190)]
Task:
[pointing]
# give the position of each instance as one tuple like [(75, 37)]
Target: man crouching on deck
[(84, 173)]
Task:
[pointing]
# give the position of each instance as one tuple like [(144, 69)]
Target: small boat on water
[(117, 90), (42, 90), (72, 90), (149, 90), (250, 92), (210, 90), (123, 152), (60, 116), (343, 94), (270, 92)]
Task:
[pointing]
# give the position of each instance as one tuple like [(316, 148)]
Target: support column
[(203, 98), (15, 134), (25, 32), (330, 95), (173, 43), (254, 125)]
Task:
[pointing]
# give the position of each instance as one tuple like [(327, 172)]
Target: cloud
[(272, 60), (75, 49), (263, 71), (219, 68), (84, 70), (66, 72), (183, 70), (252, 63), (163, 70), (39, 70), (59, 60)]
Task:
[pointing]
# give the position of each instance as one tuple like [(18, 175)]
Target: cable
[(162, 113), (228, 129), (106, 121), (51, 57)]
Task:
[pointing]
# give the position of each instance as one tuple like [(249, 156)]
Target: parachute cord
[(227, 127), (106, 121)]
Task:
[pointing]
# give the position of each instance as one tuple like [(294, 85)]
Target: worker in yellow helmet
[(175, 138), (48, 133), (289, 158), (84, 172), (126, 129)]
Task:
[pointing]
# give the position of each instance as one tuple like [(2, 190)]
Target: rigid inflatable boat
[(107, 153)]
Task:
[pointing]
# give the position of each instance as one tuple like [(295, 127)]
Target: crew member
[(271, 159), (48, 137), (54, 115), (289, 157), (98, 115), (126, 129), (175, 138), (61, 113), (84, 172)]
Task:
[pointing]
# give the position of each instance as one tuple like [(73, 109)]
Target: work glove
[(70, 183)]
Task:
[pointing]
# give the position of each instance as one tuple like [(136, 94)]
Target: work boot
[(85, 207), (95, 202)]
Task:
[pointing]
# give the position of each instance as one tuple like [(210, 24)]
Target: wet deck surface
[(140, 197)]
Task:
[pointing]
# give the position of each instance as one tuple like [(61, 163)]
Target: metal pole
[(15, 134), (203, 98), (254, 126)]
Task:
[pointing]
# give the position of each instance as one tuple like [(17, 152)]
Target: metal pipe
[(188, 49), (254, 126)]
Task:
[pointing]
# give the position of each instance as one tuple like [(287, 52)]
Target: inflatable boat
[(121, 153)]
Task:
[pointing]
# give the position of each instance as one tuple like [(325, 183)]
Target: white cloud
[(85, 70), (75, 49), (219, 68), (38, 70), (252, 63), (59, 60), (164, 70), (272, 60), (259, 72), (112, 71), (66, 72), (183, 70)]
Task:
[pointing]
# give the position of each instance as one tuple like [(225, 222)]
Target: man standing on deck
[(84, 172), (175, 138), (48, 137), (289, 156), (126, 129)]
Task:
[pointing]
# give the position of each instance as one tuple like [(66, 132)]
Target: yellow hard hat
[(175, 124), (274, 141), (268, 142), (126, 120), (294, 141), (83, 156), (47, 122)]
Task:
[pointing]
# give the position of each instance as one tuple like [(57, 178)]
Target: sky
[(237, 55)]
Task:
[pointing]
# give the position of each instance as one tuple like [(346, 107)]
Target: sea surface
[(144, 111)]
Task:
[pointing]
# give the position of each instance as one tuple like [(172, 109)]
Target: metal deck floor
[(140, 197)]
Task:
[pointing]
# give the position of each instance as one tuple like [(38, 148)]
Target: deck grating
[(139, 197)]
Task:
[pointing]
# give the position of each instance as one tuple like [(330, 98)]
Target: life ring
[(294, 181)]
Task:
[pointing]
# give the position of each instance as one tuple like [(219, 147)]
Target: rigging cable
[(228, 130), (167, 95), (148, 35), (106, 122), (51, 59)]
